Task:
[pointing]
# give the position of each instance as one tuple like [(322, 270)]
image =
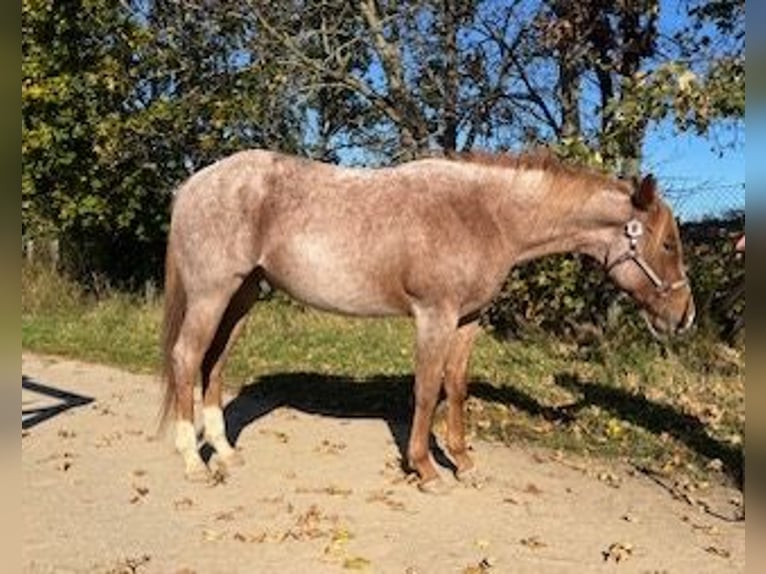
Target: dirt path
[(325, 494)]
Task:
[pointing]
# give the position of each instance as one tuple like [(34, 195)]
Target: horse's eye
[(668, 246)]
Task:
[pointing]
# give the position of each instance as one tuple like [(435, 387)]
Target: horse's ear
[(645, 194)]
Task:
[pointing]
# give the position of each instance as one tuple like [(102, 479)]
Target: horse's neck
[(556, 218)]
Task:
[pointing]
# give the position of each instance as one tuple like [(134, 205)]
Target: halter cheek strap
[(633, 230)]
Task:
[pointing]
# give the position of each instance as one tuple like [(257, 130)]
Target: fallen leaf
[(532, 489), (210, 535), (141, 492), (183, 503), (706, 528), (250, 538), (336, 548), (329, 447), (533, 542), (356, 563), (610, 479), (722, 552), (385, 497), (614, 428), (332, 490), (483, 566), (131, 565), (618, 551)]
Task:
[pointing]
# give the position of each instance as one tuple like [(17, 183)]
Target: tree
[(642, 73), (120, 102)]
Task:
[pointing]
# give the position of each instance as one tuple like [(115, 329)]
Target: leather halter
[(633, 230)]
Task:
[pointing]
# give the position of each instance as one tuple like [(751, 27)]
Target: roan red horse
[(433, 239)]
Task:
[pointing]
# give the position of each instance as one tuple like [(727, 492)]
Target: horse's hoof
[(471, 477), (224, 464), (233, 459), (198, 473), (434, 485)]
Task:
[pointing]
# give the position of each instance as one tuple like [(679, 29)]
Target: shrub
[(568, 295)]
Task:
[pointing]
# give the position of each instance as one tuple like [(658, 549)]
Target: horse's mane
[(544, 160)]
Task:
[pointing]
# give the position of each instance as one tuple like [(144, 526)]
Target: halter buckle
[(634, 229)]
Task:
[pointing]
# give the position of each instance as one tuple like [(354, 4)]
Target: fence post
[(30, 251), (150, 291), (54, 253)]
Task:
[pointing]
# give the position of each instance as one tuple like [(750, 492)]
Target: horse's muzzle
[(664, 325)]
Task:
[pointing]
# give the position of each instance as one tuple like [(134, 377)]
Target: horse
[(433, 239)]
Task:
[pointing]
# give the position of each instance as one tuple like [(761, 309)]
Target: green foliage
[(570, 296), (120, 103), (555, 294)]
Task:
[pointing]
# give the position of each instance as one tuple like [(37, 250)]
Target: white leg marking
[(215, 434), (186, 444)]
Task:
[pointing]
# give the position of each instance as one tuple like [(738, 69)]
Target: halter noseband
[(633, 230)]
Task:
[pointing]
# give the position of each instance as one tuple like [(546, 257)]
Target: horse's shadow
[(385, 397), (64, 401), (389, 397), (657, 418)]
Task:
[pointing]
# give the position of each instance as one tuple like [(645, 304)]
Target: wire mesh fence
[(705, 201)]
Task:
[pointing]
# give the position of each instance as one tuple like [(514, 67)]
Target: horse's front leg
[(456, 388), (435, 328)]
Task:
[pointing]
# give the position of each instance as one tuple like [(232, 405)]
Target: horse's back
[(355, 241)]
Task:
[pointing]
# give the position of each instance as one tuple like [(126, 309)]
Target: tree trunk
[(451, 79), (413, 130), (569, 85)]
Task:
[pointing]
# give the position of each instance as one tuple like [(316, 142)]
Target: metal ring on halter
[(633, 230)]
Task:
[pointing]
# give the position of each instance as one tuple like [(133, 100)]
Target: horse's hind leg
[(456, 388), (203, 315), (212, 370)]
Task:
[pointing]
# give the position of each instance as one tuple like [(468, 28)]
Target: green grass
[(669, 409)]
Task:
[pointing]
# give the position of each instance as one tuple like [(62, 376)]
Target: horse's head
[(647, 262)]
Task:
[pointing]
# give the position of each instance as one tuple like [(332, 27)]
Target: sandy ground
[(103, 493)]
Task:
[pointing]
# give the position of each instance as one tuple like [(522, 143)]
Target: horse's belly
[(351, 303), (321, 277)]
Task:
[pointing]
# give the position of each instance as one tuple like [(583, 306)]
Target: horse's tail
[(175, 311)]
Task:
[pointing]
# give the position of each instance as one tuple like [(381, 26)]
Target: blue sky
[(702, 175), (698, 178)]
